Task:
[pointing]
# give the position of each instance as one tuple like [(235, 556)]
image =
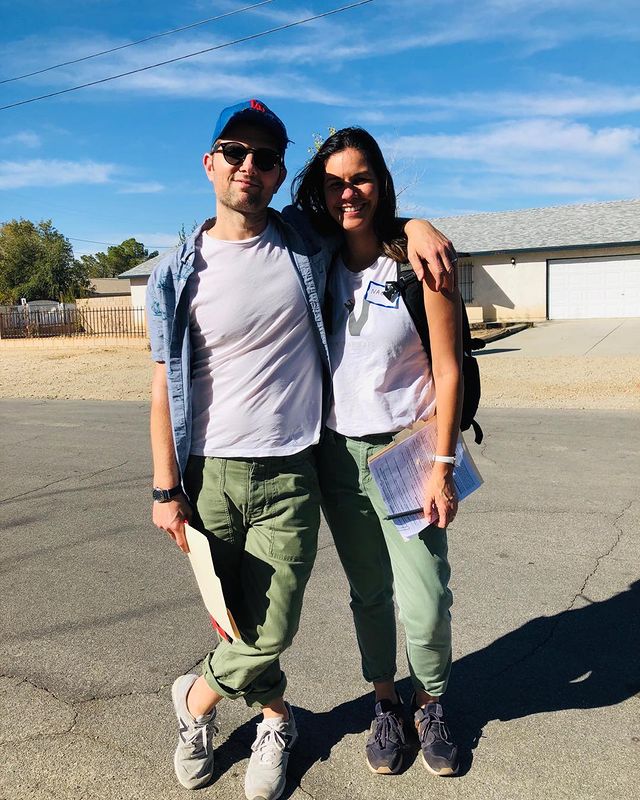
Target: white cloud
[(57, 172), (492, 143), (543, 25), (151, 187), (249, 70), (570, 97), (223, 84), (386, 27), (536, 158), (24, 138), (52, 172), (510, 190)]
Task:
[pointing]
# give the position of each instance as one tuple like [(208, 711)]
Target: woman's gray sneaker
[(439, 753), (386, 743), (193, 760), (267, 771)]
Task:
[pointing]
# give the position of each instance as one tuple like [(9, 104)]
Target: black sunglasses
[(235, 153)]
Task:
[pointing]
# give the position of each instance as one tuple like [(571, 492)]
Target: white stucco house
[(138, 277), (564, 262)]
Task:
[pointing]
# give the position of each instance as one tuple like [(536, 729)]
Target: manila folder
[(208, 582)]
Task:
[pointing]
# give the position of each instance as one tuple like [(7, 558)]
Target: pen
[(400, 514)]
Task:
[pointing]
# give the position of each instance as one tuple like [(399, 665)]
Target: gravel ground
[(89, 371)]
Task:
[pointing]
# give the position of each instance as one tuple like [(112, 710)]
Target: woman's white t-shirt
[(381, 374)]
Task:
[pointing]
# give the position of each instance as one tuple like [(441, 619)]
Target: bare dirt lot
[(81, 370)]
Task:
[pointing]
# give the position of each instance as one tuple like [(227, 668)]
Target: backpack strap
[(408, 284), (410, 288)]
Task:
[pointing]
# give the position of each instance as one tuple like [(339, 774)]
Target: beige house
[(137, 278), (564, 262), (106, 293)]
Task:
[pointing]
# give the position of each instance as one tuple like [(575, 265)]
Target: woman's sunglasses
[(235, 153)]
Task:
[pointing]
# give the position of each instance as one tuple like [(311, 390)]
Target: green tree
[(118, 258), (182, 233), (36, 262), (318, 140)]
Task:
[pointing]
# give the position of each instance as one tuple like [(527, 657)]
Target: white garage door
[(581, 288)]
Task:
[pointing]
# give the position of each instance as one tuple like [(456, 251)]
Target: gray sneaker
[(193, 760), (267, 771)]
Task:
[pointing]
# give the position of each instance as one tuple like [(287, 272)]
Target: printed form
[(401, 469)]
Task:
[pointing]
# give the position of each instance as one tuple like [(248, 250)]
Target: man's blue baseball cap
[(255, 112)]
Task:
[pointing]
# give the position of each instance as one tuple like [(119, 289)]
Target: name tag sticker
[(375, 296)]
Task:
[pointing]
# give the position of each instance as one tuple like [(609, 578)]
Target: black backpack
[(410, 289)]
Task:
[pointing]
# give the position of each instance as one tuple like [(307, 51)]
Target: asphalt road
[(100, 613)]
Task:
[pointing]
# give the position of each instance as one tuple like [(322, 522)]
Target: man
[(237, 405)]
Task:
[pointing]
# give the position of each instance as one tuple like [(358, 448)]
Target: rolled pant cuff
[(253, 698), (435, 690), (391, 676)]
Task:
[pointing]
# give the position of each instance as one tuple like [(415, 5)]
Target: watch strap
[(445, 459), (164, 495)]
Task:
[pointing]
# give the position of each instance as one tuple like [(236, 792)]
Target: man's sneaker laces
[(270, 744), (266, 776)]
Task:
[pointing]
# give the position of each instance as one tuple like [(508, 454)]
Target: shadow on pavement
[(582, 658), (319, 733)]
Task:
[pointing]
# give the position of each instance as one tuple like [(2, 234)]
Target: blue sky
[(479, 106)]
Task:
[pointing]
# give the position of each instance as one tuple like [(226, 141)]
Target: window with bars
[(465, 280)]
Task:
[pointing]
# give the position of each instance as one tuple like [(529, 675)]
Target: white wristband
[(445, 459)]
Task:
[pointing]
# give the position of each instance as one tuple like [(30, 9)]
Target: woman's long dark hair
[(307, 190)]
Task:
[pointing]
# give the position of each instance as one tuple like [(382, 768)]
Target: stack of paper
[(401, 469)]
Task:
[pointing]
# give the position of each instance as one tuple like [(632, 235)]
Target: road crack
[(578, 595), (305, 792), (66, 705), (483, 453), (62, 480), (600, 558), (38, 488)]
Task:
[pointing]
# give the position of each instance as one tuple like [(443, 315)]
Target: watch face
[(164, 495)]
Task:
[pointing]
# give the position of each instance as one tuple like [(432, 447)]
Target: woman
[(383, 382)]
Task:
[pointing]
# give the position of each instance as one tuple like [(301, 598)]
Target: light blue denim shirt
[(168, 312)]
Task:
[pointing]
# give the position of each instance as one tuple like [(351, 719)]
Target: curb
[(504, 332)]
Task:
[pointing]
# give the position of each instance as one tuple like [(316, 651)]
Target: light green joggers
[(375, 558)]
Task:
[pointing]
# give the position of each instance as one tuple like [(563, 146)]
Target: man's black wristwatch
[(164, 495)]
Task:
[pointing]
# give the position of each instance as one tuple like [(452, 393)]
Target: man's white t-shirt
[(381, 374), (256, 373)]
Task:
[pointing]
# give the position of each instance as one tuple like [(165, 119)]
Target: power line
[(189, 55), (139, 41), (113, 244), (66, 210)]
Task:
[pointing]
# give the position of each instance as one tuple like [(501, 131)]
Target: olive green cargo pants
[(262, 518)]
